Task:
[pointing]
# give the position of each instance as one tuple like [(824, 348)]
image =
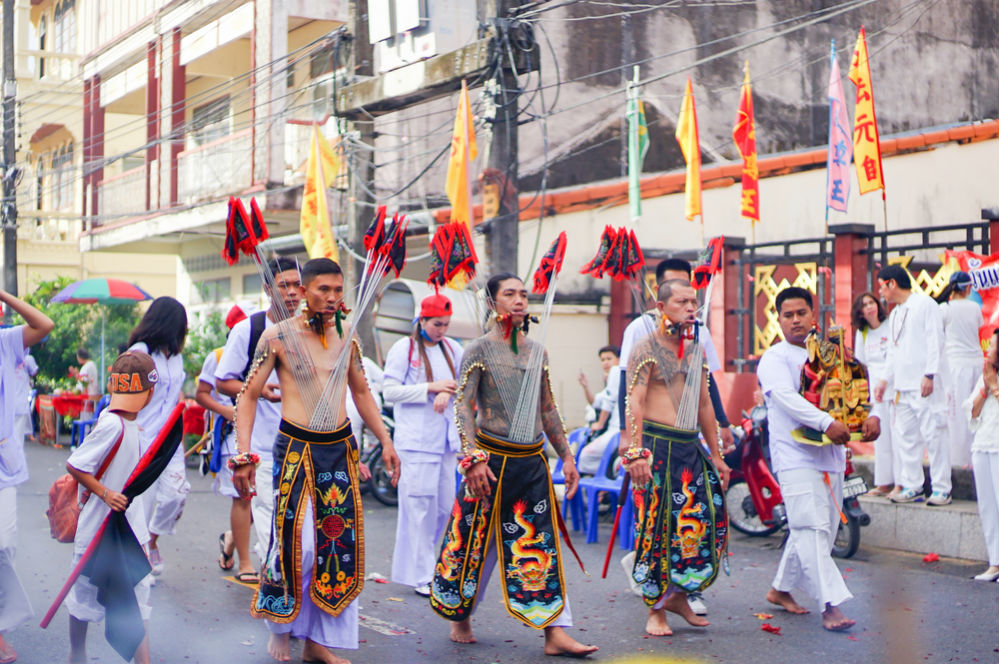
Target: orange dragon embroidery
[(534, 572), (689, 528), (450, 561)]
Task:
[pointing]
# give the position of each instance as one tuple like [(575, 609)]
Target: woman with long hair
[(161, 334), (870, 347), (421, 380), (982, 409)]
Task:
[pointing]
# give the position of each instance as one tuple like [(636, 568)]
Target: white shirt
[(166, 394), (234, 358), (417, 427), (779, 373), (985, 427), (89, 457), (962, 319), (207, 375), (13, 469), (915, 344), (91, 379), (23, 372), (870, 347), (606, 399)]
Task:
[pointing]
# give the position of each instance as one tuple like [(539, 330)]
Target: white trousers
[(918, 424), (886, 460), (960, 382), (813, 520), (426, 496), (171, 491), (986, 467), (15, 608), (312, 622), (589, 458), (262, 507)]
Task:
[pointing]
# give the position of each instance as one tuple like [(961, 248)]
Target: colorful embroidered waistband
[(297, 432), (496, 445), (660, 430)]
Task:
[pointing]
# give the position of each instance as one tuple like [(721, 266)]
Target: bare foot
[(314, 652), (677, 603), (278, 647), (785, 601), (656, 625), (559, 643), (7, 651), (461, 631), (834, 620)]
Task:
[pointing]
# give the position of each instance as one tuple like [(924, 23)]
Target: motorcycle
[(755, 504), (379, 484)]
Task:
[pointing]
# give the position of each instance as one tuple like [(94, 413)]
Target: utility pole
[(361, 202), (8, 213), (502, 230), (371, 95), (501, 172)]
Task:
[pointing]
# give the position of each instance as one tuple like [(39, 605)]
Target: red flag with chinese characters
[(866, 144), (744, 135)]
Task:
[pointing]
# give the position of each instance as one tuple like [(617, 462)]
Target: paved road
[(907, 611)]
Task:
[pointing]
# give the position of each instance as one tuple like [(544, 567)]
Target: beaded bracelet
[(243, 459), (634, 454), (474, 457)]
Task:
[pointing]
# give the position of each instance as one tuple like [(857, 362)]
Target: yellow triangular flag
[(690, 145)]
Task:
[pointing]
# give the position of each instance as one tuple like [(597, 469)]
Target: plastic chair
[(574, 506), (82, 427), (598, 483)]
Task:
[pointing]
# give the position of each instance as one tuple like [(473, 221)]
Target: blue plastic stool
[(82, 427), (600, 482), (574, 506)]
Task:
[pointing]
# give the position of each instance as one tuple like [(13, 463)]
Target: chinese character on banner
[(866, 145), (840, 142)]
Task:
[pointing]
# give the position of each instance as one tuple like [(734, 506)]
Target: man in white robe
[(810, 476)]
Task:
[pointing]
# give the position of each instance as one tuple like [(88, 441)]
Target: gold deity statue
[(834, 381)]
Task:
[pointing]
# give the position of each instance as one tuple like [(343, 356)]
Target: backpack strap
[(258, 322), (110, 456)]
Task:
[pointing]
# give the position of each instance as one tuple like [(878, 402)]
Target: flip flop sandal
[(248, 578), (225, 561)]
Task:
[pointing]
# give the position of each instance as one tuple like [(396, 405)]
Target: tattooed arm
[(361, 393), (478, 479), (551, 419), (469, 377), (640, 366), (709, 429), (264, 359)]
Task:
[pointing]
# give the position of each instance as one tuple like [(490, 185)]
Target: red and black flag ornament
[(242, 233), (451, 252), (551, 264), (257, 224), (394, 246), (596, 267), (634, 259), (374, 237), (710, 263)]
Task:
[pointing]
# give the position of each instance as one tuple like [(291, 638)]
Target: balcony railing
[(122, 195), (217, 168)]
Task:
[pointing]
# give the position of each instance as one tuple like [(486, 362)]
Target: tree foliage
[(206, 332), (77, 325)]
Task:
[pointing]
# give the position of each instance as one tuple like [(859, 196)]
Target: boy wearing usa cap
[(114, 444)]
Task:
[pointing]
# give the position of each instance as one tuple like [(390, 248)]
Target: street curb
[(953, 530)]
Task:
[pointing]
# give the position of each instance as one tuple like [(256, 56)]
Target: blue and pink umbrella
[(101, 291)]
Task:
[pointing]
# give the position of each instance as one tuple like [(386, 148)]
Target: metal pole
[(9, 210), (503, 232)]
